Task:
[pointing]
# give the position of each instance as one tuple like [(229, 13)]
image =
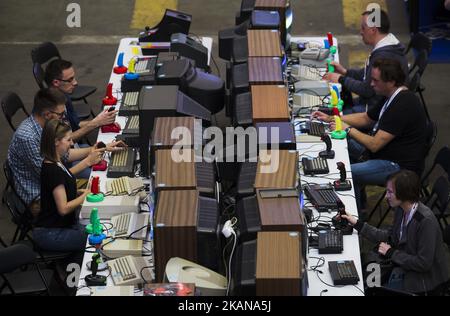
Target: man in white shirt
[(384, 45)]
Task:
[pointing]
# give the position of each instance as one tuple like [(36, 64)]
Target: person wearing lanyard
[(414, 244), (56, 227), (61, 75), (384, 45), (397, 140)]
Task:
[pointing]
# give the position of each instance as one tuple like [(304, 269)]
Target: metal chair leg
[(424, 104), (377, 205), (383, 217)]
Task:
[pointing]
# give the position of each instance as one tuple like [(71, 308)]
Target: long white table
[(321, 283), (127, 46)]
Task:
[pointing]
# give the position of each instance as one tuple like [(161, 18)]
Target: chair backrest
[(39, 75), (20, 213), (447, 235), (44, 53), (431, 135), (414, 80), (439, 199), (420, 62), (442, 159), (419, 41), (441, 191), (41, 55), (11, 103)]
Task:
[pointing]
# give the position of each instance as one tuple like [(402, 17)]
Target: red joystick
[(95, 185), (120, 68), (330, 38), (335, 111), (101, 166), (109, 99), (111, 128)]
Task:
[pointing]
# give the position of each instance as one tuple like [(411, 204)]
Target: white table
[(127, 45), (351, 242)]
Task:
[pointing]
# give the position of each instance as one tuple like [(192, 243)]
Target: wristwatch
[(347, 130), (341, 80)]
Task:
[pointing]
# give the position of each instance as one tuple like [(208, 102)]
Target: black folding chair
[(45, 53), (439, 199), (11, 103), (442, 160), (17, 281)]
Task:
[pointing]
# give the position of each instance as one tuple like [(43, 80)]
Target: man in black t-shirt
[(398, 126)]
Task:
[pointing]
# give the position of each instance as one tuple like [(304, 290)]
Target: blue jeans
[(374, 171), (61, 239), (396, 279), (357, 107)]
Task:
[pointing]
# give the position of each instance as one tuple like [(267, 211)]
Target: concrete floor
[(92, 47)]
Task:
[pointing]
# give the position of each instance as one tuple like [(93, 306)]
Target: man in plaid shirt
[(24, 155)]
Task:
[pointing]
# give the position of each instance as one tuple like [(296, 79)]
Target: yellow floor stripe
[(352, 10), (357, 58), (150, 12)]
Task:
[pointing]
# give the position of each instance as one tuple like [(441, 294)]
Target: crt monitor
[(205, 88), (160, 101), (243, 279)]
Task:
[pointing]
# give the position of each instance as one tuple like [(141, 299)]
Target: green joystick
[(338, 134), (95, 198), (340, 105), (330, 66)]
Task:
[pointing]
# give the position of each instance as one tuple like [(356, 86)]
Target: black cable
[(142, 276), (307, 148), (199, 40), (327, 284), (320, 263), (359, 289), (323, 291), (137, 230), (342, 194)]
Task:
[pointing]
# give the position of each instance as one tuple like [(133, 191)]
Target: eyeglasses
[(60, 115), (70, 80)]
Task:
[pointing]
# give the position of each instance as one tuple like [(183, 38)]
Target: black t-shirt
[(405, 119), (53, 175)]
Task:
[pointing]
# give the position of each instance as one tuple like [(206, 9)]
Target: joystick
[(120, 68), (109, 99), (328, 153), (342, 184)]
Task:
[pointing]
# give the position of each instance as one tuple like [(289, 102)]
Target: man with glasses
[(398, 131), (384, 45), (24, 153), (61, 75)]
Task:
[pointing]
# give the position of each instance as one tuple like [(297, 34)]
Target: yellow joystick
[(334, 98), (338, 133)]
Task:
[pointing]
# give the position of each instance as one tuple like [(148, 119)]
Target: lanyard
[(64, 168), (365, 68), (408, 218), (386, 106)]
